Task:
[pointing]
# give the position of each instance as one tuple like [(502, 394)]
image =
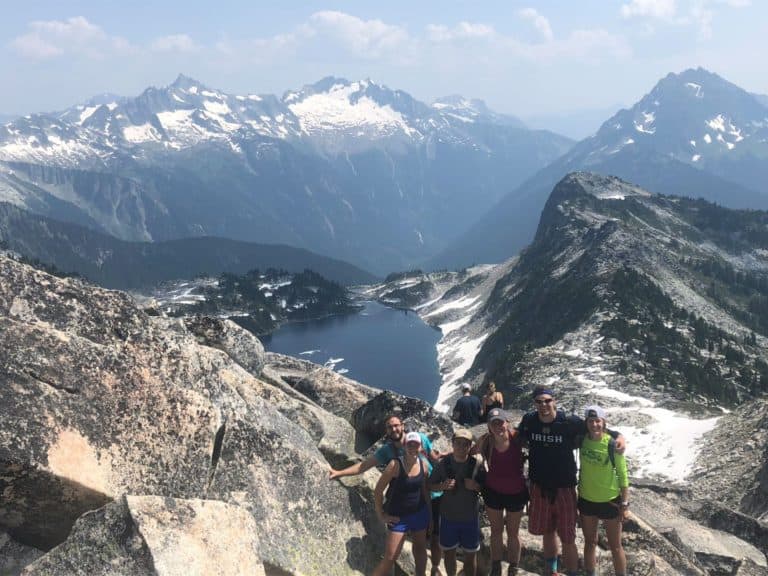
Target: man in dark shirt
[(551, 438), (467, 409)]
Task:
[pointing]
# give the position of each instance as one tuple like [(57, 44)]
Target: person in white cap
[(391, 449), (467, 409), (406, 509), (603, 491)]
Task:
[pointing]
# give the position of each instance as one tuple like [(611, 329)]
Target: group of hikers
[(437, 496)]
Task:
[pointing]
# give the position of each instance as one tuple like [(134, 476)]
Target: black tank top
[(405, 494)]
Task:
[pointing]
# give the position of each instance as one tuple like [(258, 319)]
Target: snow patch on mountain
[(335, 109), (141, 133)]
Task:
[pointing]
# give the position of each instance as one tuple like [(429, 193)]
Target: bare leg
[(450, 561), (496, 519), (571, 557), (613, 532), (589, 528), (419, 547), (550, 544), (513, 537), (436, 551), (392, 549), (470, 563)]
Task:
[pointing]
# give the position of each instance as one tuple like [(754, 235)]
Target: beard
[(396, 435)]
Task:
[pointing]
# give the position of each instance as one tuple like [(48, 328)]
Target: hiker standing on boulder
[(504, 489), (393, 448), (459, 477), (603, 491), (467, 409), (492, 399), (552, 436), (407, 506)]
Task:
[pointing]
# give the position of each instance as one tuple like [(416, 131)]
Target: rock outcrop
[(100, 400), (154, 536)]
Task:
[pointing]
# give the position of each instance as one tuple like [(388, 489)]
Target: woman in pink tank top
[(505, 490)]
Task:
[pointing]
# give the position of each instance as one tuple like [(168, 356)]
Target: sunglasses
[(543, 401)]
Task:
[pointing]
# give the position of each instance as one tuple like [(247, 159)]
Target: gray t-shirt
[(459, 504)]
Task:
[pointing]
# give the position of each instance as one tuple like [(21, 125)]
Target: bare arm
[(353, 470), (390, 472)]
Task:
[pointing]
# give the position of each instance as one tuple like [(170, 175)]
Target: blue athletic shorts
[(462, 535), (415, 522)]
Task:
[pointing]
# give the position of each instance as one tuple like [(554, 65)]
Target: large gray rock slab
[(332, 391), (154, 536), (98, 399)]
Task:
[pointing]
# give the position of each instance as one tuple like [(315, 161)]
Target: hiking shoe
[(512, 570), (496, 568)]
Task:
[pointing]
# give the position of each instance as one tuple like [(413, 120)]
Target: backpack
[(475, 464)]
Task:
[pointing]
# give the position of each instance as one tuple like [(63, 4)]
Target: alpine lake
[(379, 346)]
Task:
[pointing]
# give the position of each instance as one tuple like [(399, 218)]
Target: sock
[(551, 564)]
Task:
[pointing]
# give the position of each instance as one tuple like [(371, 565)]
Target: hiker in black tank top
[(492, 399), (406, 509)]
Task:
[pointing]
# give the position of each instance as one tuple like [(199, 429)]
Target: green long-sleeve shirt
[(598, 480)]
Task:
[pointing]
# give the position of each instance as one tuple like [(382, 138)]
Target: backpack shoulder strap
[(612, 451)]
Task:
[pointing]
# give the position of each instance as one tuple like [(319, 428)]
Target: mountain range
[(114, 263), (354, 170), (695, 134)]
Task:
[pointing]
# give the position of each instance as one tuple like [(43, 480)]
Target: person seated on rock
[(459, 476), (551, 437), (393, 448), (504, 491), (467, 409), (492, 399), (406, 509), (603, 491)]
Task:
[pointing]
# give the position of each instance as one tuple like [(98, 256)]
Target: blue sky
[(523, 58)]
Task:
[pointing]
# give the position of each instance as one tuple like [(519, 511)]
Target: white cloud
[(660, 9), (173, 43), (364, 38), (539, 21), (51, 38), (462, 31), (696, 13), (488, 45), (74, 36)]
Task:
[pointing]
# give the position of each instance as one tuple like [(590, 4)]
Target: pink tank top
[(505, 474)]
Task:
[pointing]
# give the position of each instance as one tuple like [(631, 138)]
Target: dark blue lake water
[(379, 346)]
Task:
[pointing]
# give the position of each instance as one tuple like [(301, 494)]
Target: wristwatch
[(625, 504)]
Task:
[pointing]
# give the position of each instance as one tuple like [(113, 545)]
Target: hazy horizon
[(552, 60)]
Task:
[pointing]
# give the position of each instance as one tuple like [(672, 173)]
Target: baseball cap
[(464, 434), (594, 411), (497, 414), (466, 386), (413, 437)]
